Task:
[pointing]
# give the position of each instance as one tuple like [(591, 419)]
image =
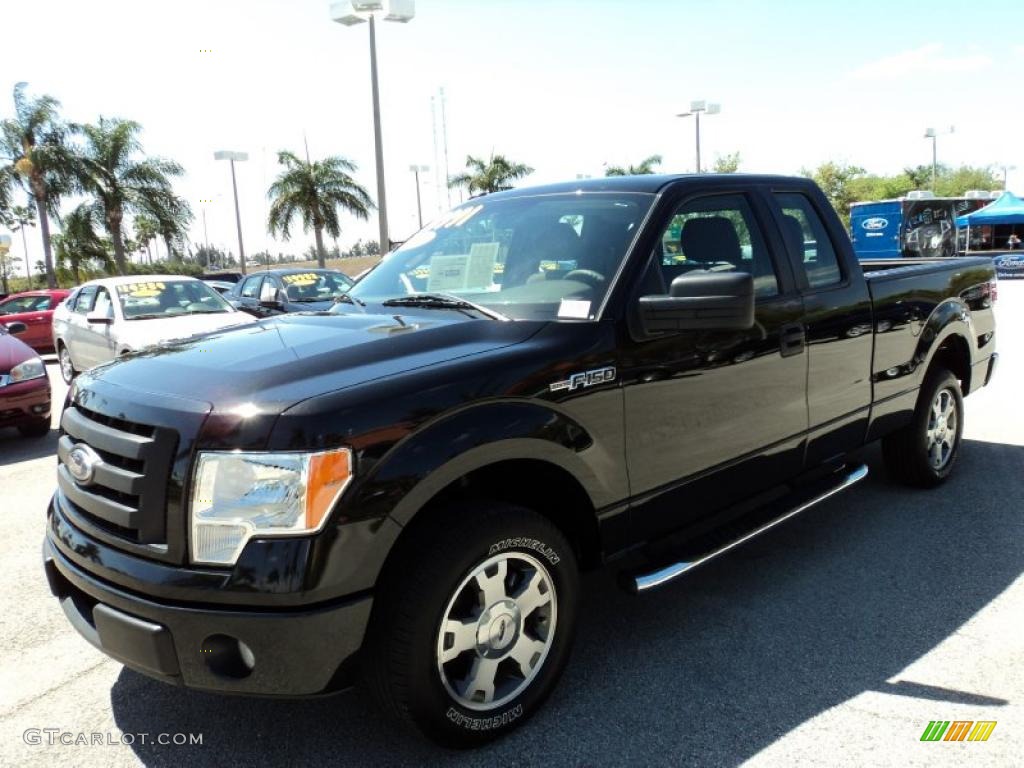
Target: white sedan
[(109, 317)]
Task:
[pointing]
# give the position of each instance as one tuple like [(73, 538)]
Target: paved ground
[(831, 641)]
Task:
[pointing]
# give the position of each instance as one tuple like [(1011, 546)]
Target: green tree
[(34, 150), (78, 245), (729, 163), (314, 191), (646, 166), (121, 183), (146, 229), (19, 217), (836, 181), (173, 216), (955, 182), (488, 176)]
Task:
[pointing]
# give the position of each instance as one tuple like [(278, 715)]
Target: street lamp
[(696, 107), (350, 13), (417, 170), (932, 134), (240, 157)]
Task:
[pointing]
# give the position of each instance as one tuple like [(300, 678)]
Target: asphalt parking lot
[(834, 639)]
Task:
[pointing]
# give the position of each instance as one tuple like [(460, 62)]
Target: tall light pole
[(417, 170), (932, 134), (1006, 170), (233, 156), (696, 107), (350, 13)]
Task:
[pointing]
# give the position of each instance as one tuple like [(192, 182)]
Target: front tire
[(473, 624), (924, 452)]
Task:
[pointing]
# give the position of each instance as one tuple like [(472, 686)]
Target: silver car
[(109, 317)]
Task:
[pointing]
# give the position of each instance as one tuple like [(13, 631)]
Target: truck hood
[(281, 361)]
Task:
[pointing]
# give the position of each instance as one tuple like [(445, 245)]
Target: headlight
[(236, 496), (32, 368)]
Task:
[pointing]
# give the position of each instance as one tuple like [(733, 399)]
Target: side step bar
[(647, 581)]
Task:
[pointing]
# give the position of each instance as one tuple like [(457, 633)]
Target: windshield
[(147, 299), (315, 286), (529, 258)]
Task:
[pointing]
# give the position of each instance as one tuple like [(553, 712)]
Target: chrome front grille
[(129, 463)]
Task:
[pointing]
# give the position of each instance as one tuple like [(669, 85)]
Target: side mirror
[(722, 301), (101, 318), (16, 327), (270, 296)]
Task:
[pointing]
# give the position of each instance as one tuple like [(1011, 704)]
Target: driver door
[(97, 343), (713, 417)]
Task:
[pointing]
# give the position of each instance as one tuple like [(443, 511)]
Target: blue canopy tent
[(1008, 210)]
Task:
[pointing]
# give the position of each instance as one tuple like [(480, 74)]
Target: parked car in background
[(226, 276), (24, 385), (113, 316), (220, 286), (35, 310), (276, 291)]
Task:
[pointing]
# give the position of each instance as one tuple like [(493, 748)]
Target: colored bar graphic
[(935, 730), (982, 730), (959, 730)]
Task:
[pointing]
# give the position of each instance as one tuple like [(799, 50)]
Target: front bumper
[(284, 652), (25, 402)]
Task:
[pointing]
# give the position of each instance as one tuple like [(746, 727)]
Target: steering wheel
[(588, 276)]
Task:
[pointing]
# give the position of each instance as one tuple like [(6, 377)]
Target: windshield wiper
[(309, 300), (442, 301), (345, 298)]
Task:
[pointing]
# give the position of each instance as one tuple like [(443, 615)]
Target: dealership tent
[(1007, 210)]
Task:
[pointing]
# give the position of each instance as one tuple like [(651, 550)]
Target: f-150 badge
[(587, 379)]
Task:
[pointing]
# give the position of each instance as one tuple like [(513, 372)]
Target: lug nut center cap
[(498, 628)]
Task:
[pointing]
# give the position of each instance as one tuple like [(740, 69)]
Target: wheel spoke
[(935, 453), (493, 587), (526, 653), (531, 597), (480, 680), (464, 638)]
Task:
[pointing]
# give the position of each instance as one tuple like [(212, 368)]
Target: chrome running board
[(646, 581)]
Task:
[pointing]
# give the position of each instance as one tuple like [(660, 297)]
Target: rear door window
[(807, 239)]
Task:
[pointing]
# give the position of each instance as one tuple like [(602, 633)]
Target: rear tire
[(923, 453), (67, 368), (473, 623)]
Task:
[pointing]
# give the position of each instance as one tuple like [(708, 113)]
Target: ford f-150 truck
[(639, 373)]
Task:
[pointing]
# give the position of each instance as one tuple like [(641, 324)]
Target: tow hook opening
[(228, 656)]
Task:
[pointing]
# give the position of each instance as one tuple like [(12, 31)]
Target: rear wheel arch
[(954, 355)]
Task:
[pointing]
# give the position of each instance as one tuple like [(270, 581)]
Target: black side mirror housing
[(722, 301), (16, 327)]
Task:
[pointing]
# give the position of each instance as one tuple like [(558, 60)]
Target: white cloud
[(929, 59)]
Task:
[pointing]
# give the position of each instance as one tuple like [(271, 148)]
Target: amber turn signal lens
[(329, 473)]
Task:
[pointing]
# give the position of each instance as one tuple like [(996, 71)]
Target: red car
[(24, 385), (35, 310)]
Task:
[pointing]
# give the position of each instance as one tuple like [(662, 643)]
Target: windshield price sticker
[(306, 278), (141, 290), (473, 271)]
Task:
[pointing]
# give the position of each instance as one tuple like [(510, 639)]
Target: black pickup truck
[(638, 373)]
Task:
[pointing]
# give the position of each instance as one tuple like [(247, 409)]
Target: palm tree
[(146, 229), (78, 244), (109, 170), (646, 167), (173, 216), (314, 191), (492, 175), (33, 144)]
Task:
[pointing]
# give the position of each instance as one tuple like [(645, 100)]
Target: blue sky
[(563, 85)]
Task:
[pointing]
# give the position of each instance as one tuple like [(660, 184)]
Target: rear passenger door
[(837, 322), (713, 417)]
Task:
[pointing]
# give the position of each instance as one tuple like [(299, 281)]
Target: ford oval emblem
[(82, 462), (1010, 262), (875, 222)]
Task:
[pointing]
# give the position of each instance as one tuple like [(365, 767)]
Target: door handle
[(792, 339)]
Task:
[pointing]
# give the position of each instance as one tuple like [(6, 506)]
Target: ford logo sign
[(81, 462), (1010, 262), (875, 222)]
